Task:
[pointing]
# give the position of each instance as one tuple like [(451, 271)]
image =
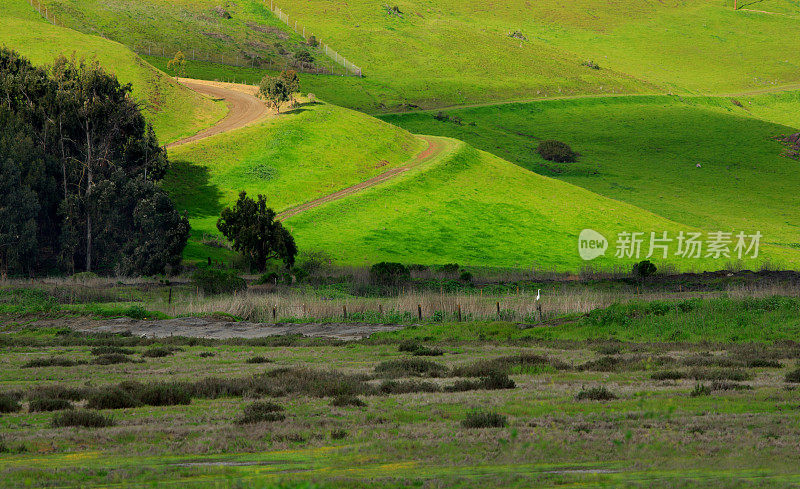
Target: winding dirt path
[(434, 149), (243, 107)]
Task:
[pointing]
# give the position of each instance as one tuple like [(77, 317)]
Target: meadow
[(174, 111), (689, 393), (644, 150)]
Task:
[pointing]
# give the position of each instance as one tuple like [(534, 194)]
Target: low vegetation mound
[(599, 393), (484, 419), (81, 418), (410, 367), (46, 404), (556, 151), (261, 411)]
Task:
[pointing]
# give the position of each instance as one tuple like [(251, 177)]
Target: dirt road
[(435, 147), (216, 329), (243, 107)]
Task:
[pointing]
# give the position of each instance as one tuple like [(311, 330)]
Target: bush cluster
[(218, 281), (556, 151), (261, 411), (81, 418), (484, 419)]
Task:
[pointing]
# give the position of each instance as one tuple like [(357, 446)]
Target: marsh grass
[(484, 419), (81, 418)]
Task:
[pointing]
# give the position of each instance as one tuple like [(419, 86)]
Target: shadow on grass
[(191, 189)]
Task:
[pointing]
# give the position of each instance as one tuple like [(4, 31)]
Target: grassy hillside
[(644, 151), (244, 29), (476, 209), (174, 111), (309, 152)]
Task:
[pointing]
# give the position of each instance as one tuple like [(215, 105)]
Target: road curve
[(243, 107), (434, 149)]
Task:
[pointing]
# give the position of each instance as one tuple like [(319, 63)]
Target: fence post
[(380, 309), (459, 313), (498, 310), (274, 314), (344, 311), (169, 301)]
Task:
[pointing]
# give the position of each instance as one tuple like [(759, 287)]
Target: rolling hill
[(173, 110)]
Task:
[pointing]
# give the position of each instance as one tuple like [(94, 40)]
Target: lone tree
[(178, 63), (277, 90), (254, 232)]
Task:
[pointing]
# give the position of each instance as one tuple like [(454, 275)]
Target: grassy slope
[(643, 150), (310, 152), (476, 209), (174, 111), (190, 25)]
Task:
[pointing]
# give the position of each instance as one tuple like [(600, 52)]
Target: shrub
[(206, 354), (112, 398), (465, 277), (261, 411), (668, 375), (484, 419), (523, 361), (386, 273), (342, 401), (8, 404), (721, 385), (111, 359), (700, 390), (450, 268), (793, 376), (258, 359), (111, 350), (736, 375), (556, 151), (50, 362), (82, 418), (595, 394), (409, 346), (406, 387), (158, 352), (60, 392), (42, 404), (405, 367), (643, 269), (493, 381), (338, 434), (218, 281), (590, 64), (417, 349), (164, 394)]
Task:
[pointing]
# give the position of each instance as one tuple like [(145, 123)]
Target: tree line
[(79, 173)]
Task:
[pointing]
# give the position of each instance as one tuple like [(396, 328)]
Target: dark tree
[(251, 227)]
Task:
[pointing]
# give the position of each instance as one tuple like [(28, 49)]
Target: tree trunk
[(88, 191)]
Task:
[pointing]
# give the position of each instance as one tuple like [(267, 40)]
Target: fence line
[(301, 30), (48, 16)]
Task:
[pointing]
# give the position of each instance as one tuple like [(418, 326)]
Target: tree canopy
[(78, 171)]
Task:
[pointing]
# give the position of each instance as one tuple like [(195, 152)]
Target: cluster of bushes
[(418, 349), (590, 64), (484, 419), (261, 411), (218, 281), (454, 119), (599, 393), (556, 151)]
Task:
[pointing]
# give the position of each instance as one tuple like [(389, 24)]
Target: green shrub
[(556, 151), (218, 281), (111, 359), (643, 269), (417, 349), (112, 398), (338, 434), (342, 401), (700, 390), (51, 362), (736, 375), (82, 418), (493, 381), (258, 359), (410, 367), (406, 387), (8, 404), (261, 411), (523, 361), (206, 354), (111, 350), (449, 268), (45, 404), (668, 375), (164, 394), (595, 394), (484, 419), (386, 273), (158, 352), (793, 376)]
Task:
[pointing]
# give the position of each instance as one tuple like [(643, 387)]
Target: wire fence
[(48, 16), (301, 30)]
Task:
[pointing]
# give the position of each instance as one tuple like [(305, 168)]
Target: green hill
[(474, 208), (644, 151), (173, 110), (307, 153)]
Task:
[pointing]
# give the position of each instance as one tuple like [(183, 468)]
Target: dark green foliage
[(58, 391), (387, 273), (406, 387), (342, 401), (590, 64), (110, 350), (8, 404), (700, 390), (523, 361), (111, 359), (112, 398), (484, 419), (45, 404), (410, 367), (218, 281), (258, 359), (721, 385), (643, 269), (51, 362), (668, 375), (81, 418), (493, 381), (793, 376), (206, 354), (79, 164), (164, 394), (251, 227), (261, 411), (736, 375), (556, 151), (599, 393), (418, 349), (158, 352), (338, 435)]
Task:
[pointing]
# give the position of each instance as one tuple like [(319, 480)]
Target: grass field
[(309, 152), (644, 151), (474, 208), (174, 111), (613, 400)]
